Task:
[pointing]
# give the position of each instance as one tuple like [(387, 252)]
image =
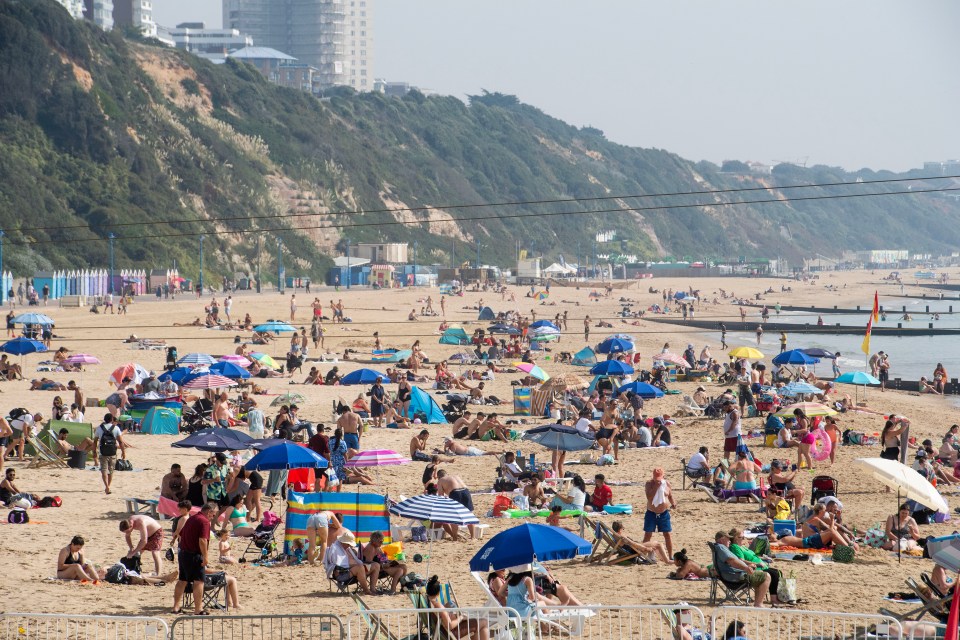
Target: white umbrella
[(909, 483)]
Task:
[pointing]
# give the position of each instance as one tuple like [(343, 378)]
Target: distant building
[(760, 168), (392, 89), (99, 12), (944, 168), (137, 14), (389, 252), (883, 256), (213, 44), (333, 36), (73, 7), (265, 59)]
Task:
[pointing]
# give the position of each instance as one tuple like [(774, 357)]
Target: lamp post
[(279, 265), (478, 255), (3, 286), (349, 273), (416, 245), (200, 277), (110, 284)]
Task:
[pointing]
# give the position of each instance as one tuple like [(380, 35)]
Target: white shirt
[(731, 424), (513, 470), (644, 437), (23, 423), (70, 417), (583, 426), (697, 461)]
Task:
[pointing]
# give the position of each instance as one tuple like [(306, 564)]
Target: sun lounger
[(607, 550)]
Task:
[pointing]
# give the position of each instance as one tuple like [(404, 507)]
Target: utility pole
[(258, 264), (416, 245), (110, 284), (453, 253), (478, 255), (200, 278), (349, 275), (3, 288), (279, 265)]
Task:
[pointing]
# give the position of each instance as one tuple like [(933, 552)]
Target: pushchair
[(294, 362), (263, 544)]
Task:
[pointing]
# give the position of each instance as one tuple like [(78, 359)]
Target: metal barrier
[(597, 622), (28, 626), (424, 624), (790, 624), (319, 626)]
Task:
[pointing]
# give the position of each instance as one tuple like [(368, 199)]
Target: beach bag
[(500, 504), (123, 465), (50, 501), (787, 589), (117, 574), (605, 459), (418, 534), (18, 516), (874, 537), (843, 553), (760, 545), (108, 442), (782, 510)]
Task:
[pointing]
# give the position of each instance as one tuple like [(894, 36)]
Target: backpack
[(50, 501), (18, 516), (108, 441), (17, 413), (760, 545), (132, 564), (117, 574)]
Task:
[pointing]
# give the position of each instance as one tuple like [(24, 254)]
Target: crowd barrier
[(313, 626), (593, 622), (32, 626), (790, 624)]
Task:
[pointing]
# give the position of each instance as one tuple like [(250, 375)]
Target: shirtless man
[(534, 493), (418, 446), (473, 426), (221, 411), (454, 488), (78, 397), (461, 427), (393, 418), (492, 423), (350, 423), (457, 449), (151, 537)]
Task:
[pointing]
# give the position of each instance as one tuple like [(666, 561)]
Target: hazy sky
[(858, 83)]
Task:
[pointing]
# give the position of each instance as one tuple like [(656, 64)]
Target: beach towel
[(362, 513)]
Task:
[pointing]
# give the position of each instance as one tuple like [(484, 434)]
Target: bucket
[(77, 459)]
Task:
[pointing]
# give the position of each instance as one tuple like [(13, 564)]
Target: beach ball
[(874, 538)]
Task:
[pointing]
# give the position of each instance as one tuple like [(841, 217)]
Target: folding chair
[(607, 550), (45, 456), (823, 486), (698, 479), (376, 628), (214, 592), (735, 592), (383, 580), (342, 580)]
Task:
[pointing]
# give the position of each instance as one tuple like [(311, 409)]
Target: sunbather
[(632, 546), (456, 625), (687, 567), (820, 540), (71, 565), (65, 447)]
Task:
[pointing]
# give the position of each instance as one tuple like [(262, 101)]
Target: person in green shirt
[(738, 548)]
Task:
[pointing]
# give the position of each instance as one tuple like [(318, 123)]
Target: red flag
[(953, 619), (865, 346), (876, 307)]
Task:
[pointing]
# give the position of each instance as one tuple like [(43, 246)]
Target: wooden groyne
[(811, 328)]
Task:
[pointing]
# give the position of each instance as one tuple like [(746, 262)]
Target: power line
[(489, 204), (509, 216)]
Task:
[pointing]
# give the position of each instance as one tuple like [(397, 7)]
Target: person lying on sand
[(195, 323)]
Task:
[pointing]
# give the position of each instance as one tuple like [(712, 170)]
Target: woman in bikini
[(71, 564), (822, 539), (902, 526), (743, 472)]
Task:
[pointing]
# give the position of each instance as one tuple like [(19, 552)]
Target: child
[(296, 555), (554, 518), (224, 537), (833, 431)]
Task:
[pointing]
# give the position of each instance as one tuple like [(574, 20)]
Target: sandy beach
[(28, 553)]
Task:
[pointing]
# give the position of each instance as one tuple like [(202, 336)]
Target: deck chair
[(214, 592), (823, 486), (376, 629), (737, 593), (45, 456), (690, 408), (607, 550)]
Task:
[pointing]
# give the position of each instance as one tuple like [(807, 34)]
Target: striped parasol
[(533, 370), (670, 358), (210, 381), (194, 359), (264, 359), (810, 409), (434, 509), (131, 370), (377, 458), (82, 358), (233, 358)]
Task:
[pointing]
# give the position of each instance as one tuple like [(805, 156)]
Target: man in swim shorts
[(454, 488)]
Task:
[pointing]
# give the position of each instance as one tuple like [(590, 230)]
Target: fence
[(31, 626), (318, 626), (608, 623), (924, 630), (423, 624), (790, 624)]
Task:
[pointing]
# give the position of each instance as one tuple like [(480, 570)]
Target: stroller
[(263, 544), (196, 416), (294, 362), (823, 486)]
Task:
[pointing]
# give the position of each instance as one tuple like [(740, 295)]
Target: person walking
[(657, 517), (783, 341), (106, 440)]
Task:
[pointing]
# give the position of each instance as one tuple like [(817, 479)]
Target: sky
[(858, 83)]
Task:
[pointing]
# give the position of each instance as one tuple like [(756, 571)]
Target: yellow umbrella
[(746, 352), (810, 409)]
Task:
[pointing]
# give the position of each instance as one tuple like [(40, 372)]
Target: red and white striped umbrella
[(233, 358), (211, 381), (377, 458), (671, 358), (82, 358)]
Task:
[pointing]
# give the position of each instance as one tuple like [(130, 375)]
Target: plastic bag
[(787, 589)]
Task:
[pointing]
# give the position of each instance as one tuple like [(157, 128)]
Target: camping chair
[(697, 479), (342, 582), (214, 592), (823, 486), (606, 549), (383, 581), (376, 629), (737, 593), (691, 408), (262, 544), (932, 601)]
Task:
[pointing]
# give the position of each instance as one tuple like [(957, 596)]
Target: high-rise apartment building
[(73, 7), (99, 12), (137, 14), (335, 36)]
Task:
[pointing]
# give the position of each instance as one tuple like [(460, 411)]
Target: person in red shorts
[(602, 493), (731, 428)]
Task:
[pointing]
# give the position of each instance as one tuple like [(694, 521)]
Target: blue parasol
[(525, 543), (642, 389), (611, 368), (794, 356), (559, 437), (286, 456), (21, 346), (614, 345)]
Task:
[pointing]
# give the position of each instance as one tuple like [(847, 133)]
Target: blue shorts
[(653, 522), (813, 542), (352, 440)]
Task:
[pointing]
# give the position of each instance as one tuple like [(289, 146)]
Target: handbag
[(787, 589)]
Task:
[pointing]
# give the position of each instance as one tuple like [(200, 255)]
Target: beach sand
[(28, 553)]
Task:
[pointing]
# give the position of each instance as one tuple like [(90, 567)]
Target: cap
[(921, 453), (829, 499)]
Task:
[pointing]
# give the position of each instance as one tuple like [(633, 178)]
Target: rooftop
[(259, 53)]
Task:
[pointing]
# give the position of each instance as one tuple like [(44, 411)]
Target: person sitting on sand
[(743, 472), (258, 371), (926, 387), (71, 565), (60, 356), (10, 370), (534, 493), (333, 377), (687, 568), (902, 529), (394, 418), (313, 377), (10, 494)]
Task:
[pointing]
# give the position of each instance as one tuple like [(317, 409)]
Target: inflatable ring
[(820, 449)]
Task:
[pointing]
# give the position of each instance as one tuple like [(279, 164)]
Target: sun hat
[(347, 538)]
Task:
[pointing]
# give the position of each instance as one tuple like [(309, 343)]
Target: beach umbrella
[(236, 434), (559, 437), (21, 346), (799, 388), (275, 326), (377, 458), (615, 345), (526, 543), (232, 358), (436, 509), (196, 359), (178, 375), (135, 372), (794, 356), (672, 358), (748, 353), (533, 370), (264, 359), (817, 352), (286, 455), (229, 370), (611, 368), (211, 440), (33, 318), (541, 295), (82, 359), (810, 409), (621, 336), (503, 328), (563, 382), (544, 334), (858, 378), (287, 398), (544, 323), (363, 376), (642, 389), (209, 381)]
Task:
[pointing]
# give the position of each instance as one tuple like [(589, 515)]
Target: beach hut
[(486, 313), (584, 358), (422, 402), (455, 335), (161, 421)]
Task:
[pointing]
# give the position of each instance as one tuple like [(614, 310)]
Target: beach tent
[(390, 355), (584, 358), (455, 335), (421, 401), (161, 421), (486, 313)]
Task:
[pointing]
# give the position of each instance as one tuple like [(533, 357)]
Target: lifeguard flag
[(865, 347), (876, 308)]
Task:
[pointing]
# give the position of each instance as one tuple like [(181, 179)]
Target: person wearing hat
[(735, 570), (342, 563), (700, 397), (150, 383), (781, 481), (690, 356)]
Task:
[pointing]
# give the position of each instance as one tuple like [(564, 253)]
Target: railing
[(318, 626), (791, 624), (597, 622), (425, 624), (32, 626), (924, 630)]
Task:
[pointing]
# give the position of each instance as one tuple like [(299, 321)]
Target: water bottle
[(533, 462)]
